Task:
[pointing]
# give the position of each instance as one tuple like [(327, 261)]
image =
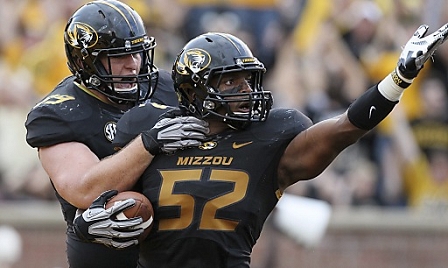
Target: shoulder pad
[(136, 120), (282, 123)]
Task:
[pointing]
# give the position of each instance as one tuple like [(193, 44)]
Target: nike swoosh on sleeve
[(372, 108)]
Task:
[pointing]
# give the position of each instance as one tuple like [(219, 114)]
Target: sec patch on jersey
[(142, 208)]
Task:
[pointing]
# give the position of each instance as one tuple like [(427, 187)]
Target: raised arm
[(311, 151)]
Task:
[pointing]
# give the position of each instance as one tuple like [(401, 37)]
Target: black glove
[(173, 132), (99, 225), (419, 49)]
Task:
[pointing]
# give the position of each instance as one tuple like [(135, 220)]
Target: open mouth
[(244, 107), (125, 87), (128, 84)]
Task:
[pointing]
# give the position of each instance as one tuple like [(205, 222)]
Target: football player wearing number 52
[(210, 202)]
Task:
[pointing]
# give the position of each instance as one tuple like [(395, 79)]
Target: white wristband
[(390, 89)]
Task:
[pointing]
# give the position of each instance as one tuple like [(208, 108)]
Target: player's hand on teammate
[(419, 49), (98, 224), (173, 132)]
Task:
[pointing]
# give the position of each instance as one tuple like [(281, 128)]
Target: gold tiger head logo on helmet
[(82, 35), (194, 59)]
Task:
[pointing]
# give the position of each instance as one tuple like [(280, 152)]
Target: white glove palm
[(419, 49)]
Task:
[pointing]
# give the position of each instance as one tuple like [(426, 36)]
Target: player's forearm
[(372, 107), (119, 171)]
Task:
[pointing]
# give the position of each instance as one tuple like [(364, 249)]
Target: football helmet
[(207, 58), (106, 29)]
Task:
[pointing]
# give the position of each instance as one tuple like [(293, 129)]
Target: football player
[(73, 127), (211, 201)]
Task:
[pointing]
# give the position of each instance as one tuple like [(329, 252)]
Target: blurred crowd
[(320, 56)]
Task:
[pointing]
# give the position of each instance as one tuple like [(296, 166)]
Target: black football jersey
[(71, 114), (211, 202)]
